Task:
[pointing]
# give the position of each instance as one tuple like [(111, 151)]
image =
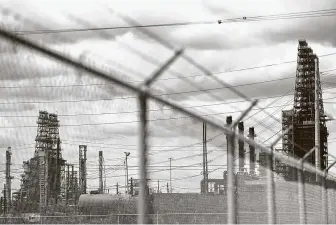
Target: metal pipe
[(143, 202), (162, 68), (270, 190), (317, 120), (244, 113)]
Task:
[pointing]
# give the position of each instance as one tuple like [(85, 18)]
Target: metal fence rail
[(275, 211)]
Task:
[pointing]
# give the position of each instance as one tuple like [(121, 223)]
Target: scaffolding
[(302, 116), (42, 177)]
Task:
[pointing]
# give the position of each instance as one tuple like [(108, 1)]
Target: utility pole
[(8, 178), (101, 188), (317, 119), (170, 176), (126, 166), (117, 188), (205, 161), (158, 189)]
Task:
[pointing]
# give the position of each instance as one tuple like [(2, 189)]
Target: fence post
[(143, 204), (301, 196), (325, 194), (301, 188), (334, 206), (270, 189), (324, 199)]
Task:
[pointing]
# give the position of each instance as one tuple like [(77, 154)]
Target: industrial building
[(47, 179)]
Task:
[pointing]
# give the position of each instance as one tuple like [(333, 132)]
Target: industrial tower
[(101, 185), (302, 116), (41, 181), (82, 168)]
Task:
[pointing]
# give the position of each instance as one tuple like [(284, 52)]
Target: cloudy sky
[(257, 58)]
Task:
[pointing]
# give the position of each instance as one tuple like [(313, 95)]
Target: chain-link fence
[(242, 199)]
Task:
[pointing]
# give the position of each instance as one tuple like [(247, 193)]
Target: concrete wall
[(251, 206)]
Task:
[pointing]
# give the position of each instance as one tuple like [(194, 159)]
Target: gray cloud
[(306, 29), (17, 107)]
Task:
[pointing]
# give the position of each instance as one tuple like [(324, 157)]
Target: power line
[(133, 97), (119, 122), (104, 84), (187, 58), (136, 121), (306, 14), (101, 74)]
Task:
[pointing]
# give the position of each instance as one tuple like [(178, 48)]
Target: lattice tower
[(41, 147), (302, 116), (304, 106)]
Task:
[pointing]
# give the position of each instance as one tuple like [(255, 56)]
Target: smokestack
[(101, 187), (241, 150), (229, 123), (252, 151)]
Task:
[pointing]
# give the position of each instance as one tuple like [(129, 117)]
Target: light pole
[(126, 182)]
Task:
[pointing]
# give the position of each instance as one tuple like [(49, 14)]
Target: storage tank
[(103, 204)]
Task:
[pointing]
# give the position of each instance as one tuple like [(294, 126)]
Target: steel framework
[(302, 116), (41, 180)]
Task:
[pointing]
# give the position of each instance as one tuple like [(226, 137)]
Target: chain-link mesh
[(165, 139)]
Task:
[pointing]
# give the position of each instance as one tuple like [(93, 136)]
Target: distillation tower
[(41, 180), (302, 116)]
